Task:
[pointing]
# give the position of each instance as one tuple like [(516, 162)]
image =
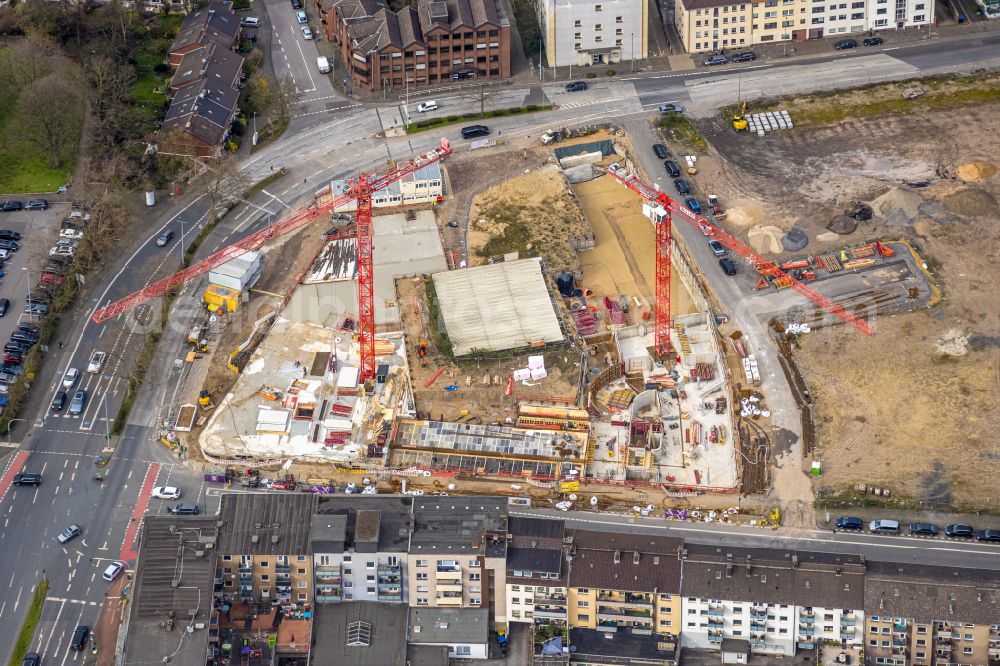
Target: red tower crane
[(359, 190), (663, 221)]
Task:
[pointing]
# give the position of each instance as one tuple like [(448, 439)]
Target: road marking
[(127, 552), (82, 602), (16, 464)]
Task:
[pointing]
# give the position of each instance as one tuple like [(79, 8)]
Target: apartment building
[(263, 548), (780, 601), (713, 25), (536, 571), (899, 14), (919, 615), (432, 43), (359, 548), (585, 32), (781, 20), (458, 553), (830, 18), (624, 581)]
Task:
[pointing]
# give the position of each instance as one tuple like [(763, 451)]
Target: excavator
[(740, 119)]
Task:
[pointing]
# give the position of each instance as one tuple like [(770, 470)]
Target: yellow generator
[(219, 300)]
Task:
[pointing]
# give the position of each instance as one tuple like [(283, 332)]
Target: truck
[(323, 64), (551, 136)]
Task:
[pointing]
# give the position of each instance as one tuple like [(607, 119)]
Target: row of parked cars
[(12, 205), (750, 56), (889, 526)]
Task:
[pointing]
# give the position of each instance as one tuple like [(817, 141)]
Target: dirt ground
[(912, 408), (488, 402)]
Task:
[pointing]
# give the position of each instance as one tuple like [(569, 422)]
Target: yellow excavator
[(740, 120)]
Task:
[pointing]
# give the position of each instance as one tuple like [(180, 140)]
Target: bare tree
[(29, 60), (110, 82), (52, 115), (258, 94), (482, 94), (286, 98), (224, 185)]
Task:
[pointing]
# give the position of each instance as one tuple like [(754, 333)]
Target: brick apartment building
[(432, 43)]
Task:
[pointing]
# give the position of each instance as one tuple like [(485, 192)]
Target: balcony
[(449, 568), (754, 642), (806, 645), (847, 633), (283, 592), (760, 615), (807, 631), (450, 586), (757, 625), (848, 622), (607, 627), (328, 576), (627, 599), (805, 612), (712, 638), (328, 596), (716, 620), (716, 612), (807, 620), (246, 592), (549, 600), (389, 595), (282, 569), (550, 613), (449, 599)]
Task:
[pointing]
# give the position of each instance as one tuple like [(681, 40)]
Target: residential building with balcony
[(536, 577), (624, 581), (263, 549), (712, 25), (433, 43), (359, 548), (923, 615), (899, 14), (214, 23), (780, 601), (782, 20), (458, 553), (584, 32)]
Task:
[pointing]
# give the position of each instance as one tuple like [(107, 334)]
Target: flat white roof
[(499, 306)]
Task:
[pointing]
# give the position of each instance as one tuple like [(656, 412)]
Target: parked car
[(32, 659), (27, 479), (306, 33), (682, 186), (10, 206), (36, 204), (36, 309), (670, 107), (9, 245), (80, 636), (576, 86), (924, 529), (164, 238), (62, 251), (474, 131), (52, 278), (78, 403), (7, 378), (166, 492), (4, 304), (296, 4), (959, 531), (728, 266), (38, 297), (692, 205), (718, 249), (991, 536), (11, 369), (58, 401), (22, 336), (18, 347), (873, 41), (850, 523), (29, 328), (250, 22), (184, 509), (70, 379), (13, 358), (715, 60), (744, 56), (114, 570), (429, 105), (843, 44), (96, 361), (70, 533), (4, 255), (72, 233), (7, 234), (301, 17), (884, 526), (661, 151)]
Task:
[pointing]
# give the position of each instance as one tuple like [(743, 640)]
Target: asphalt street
[(330, 138)]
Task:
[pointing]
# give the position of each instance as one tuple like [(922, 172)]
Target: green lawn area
[(23, 168), (23, 643)]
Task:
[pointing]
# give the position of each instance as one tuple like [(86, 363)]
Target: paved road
[(343, 141)]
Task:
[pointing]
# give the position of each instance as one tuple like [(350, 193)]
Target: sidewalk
[(113, 613), (905, 516)]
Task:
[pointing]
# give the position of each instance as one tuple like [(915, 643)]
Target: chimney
[(635, 558), (795, 561), (618, 557)]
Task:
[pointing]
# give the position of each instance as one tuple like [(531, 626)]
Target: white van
[(323, 64), (250, 22), (884, 526), (429, 105)]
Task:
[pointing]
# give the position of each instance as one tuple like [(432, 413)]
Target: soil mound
[(766, 238), (796, 239), (842, 225), (897, 206), (976, 171), (970, 202), (953, 343)]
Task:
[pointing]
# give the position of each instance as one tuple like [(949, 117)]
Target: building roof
[(445, 525), (372, 26), (203, 109), (427, 655), (347, 518), (171, 579), (740, 645), (927, 593), (535, 545), (214, 22), (448, 626), (805, 578), (265, 524), (332, 630), (497, 306), (623, 646), (210, 61), (629, 562)]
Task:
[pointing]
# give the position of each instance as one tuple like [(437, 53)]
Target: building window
[(473, 601), (619, 19), (474, 564), (264, 578), (421, 601), (577, 35), (420, 563), (583, 617), (421, 576), (227, 558), (598, 27), (303, 596), (598, 8), (264, 564), (966, 650), (578, 23), (582, 604)]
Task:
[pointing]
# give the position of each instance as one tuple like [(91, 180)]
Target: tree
[(110, 82), (482, 94), (258, 94), (286, 98), (224, 184), (51, 113)]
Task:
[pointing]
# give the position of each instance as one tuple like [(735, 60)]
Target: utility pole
[(632, 51), (541, 66)]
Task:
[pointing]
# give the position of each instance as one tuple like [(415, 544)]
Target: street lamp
[(631, 49), (9, 424)]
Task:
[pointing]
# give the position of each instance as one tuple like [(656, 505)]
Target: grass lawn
[(23, 168), (30, 624)]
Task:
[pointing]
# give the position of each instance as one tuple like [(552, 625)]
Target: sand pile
[(976, 171), (745, 212), (766, 238), (897, 205), (970, 202), (953, 343)]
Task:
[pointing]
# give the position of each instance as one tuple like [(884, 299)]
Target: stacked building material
[(586, 322), (615, 315)]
